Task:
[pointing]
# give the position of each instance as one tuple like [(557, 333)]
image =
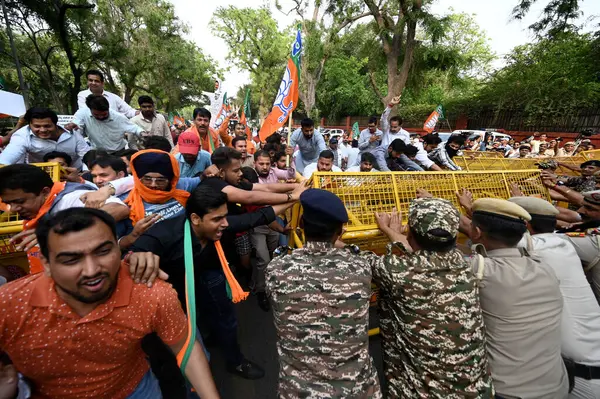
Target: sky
[(493, 16)]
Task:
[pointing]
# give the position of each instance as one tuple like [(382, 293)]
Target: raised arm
[(225, 138)]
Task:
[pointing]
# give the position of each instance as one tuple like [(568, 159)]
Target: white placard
[(12, 104), (65, 119)]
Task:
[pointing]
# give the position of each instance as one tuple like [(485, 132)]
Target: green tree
[(255, 45), (322, 23), (141, 50), (552, 78), (55, 27), (556, 18), (446, 66)]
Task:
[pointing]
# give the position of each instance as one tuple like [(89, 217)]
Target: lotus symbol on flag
[(282, 94)]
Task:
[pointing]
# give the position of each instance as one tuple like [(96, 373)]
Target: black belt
[(586, 372)]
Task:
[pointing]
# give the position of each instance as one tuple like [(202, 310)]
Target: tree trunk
[(129, 92), (63, 36)]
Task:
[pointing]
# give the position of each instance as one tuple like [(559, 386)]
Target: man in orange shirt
[(240, 130), (209, 138), (76, 330)]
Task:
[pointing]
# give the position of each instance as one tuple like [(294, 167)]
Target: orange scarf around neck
[(33, 255), (142, 193)]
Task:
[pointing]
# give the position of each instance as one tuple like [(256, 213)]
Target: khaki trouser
[(265, 241)]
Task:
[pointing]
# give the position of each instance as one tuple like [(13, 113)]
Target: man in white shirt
[(41, 136), (352, 154), (580, 332), (95, 82), (392, 130), (323, 164), (367, 160), (105, 127), (153, 123)]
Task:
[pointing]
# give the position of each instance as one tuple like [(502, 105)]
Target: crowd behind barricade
[(105, 307)]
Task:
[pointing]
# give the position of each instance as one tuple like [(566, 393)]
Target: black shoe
[(247, 370), (263, 301)]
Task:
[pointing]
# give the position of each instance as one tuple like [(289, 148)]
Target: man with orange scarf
[(29, 191), (209, 138)]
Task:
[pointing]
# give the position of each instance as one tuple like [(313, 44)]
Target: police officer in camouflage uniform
[(320, 300), (431, 322)]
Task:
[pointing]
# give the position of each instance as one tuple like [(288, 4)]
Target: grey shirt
[(108, 134), (310, 149)]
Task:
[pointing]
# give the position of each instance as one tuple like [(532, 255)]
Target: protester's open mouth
[(94, 285)]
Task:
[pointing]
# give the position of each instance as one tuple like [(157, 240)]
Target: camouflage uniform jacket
[(431, 323), (320, 299)]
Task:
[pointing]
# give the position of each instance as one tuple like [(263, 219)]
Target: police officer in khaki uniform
[(521, 304), (586, 238)]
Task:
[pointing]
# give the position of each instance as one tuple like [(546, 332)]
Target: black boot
[(263, 301), (247, 369)]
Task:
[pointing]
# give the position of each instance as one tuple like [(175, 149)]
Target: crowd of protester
[(103, 305)]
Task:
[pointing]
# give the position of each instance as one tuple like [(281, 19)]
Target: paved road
[(257, 340)]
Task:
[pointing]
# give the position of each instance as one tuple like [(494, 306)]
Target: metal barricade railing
[(483, 154), (363, 194), (506, 164)]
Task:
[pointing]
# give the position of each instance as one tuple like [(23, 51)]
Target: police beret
[(570, 143), (501, 207), (321, 205), (535, 206), (593, 197), (592, 162)]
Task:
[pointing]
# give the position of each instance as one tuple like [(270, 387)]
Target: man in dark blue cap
[(315, 291)]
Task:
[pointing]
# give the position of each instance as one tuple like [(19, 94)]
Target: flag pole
[(289, 136)]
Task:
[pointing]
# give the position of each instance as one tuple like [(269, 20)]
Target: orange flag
[(432, 121), (287, 96)]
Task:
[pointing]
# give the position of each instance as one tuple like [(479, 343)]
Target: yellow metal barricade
[(11, 224), (363, 194), (593, 154), (483, 154), (494, 164)]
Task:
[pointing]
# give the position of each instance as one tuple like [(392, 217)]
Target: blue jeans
[(148, 388), (283, 239), (217, 314)]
